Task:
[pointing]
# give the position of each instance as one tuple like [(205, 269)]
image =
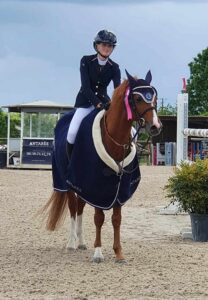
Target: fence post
[(182, 123)]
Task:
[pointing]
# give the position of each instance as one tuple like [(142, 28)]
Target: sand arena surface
[(35, 265)]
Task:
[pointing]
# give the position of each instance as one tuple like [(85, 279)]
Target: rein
[(125, 146)]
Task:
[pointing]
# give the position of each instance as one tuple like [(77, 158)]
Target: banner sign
[(37, 151)]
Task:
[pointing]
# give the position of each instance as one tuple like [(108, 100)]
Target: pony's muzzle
[(154, 130)]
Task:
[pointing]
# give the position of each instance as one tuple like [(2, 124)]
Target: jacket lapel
[(100, 69)]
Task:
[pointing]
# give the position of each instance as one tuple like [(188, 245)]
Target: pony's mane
[(119, 92)]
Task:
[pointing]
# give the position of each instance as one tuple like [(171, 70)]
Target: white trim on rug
[(106, 158)]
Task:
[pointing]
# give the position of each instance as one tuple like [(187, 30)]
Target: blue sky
[(42, 42)]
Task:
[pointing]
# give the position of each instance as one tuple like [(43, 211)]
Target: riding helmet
[(105, 36)]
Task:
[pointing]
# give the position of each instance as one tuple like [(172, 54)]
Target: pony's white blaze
[(81, 240), (72, 235), (155, 121), (98, 256)]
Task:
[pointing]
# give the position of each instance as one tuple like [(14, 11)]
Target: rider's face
[(105, 49)]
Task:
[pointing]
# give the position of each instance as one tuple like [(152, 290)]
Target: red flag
[(184, 85)]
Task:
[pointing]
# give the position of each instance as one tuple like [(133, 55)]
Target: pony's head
[(142, 101)]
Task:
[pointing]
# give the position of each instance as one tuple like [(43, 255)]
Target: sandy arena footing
[(34, 264)]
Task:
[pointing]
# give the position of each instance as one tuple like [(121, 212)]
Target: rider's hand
[(99, 105)]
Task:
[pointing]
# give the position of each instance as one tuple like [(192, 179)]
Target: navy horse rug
[(91, 172)]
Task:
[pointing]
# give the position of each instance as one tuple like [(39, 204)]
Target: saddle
[(91, 172)]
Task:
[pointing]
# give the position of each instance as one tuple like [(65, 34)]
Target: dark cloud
[(107, 2)]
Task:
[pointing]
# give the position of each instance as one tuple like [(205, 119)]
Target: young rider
[(96, 72)]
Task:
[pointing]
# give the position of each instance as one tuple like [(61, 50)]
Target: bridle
[(138, 116), (140, 120)]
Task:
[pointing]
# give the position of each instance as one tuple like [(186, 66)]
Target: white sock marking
[(98, 256), (72, 235)]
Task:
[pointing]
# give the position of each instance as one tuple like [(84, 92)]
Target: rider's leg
[(79, 115), (69, 148)]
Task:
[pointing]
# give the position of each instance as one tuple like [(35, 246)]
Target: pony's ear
[(148, 77), (131, 79)]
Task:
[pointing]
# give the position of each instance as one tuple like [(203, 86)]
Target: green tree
[(197, 84), (14, 125), (3, 124), (167, 110)]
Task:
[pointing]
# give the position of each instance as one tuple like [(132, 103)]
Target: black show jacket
[(95, 80)]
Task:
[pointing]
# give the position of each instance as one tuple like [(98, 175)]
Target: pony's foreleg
[(99, 218), (80, 208), (116, 221), (72, 204)]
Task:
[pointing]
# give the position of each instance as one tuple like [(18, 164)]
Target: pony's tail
[(55, 210)]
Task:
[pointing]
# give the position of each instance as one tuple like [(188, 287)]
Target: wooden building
[(168, 133)]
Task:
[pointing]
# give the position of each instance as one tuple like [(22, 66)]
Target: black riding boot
[(69, 149)]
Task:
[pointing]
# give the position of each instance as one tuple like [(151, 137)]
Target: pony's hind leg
[(80, 235), (116, 221), (72, 204), (99, 218)]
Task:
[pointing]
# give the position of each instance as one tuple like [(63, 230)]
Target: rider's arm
[(117, 76), (85, 81)]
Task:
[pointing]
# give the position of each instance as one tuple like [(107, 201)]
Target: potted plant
[(189, 187)]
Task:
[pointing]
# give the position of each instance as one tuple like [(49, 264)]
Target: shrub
[(189, 186)]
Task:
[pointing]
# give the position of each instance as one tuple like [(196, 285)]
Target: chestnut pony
[(116, 127)]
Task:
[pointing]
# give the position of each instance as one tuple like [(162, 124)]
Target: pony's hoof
[(82, 247), (121, 261), (98, 260), (70, 248)]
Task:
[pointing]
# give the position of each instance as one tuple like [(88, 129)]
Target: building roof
[(202, 121), (39, 105)]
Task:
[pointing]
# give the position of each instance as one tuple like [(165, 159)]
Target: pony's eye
[(138, 98)]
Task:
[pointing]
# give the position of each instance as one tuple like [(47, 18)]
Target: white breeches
[(79, 115)]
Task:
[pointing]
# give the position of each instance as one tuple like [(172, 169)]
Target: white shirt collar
[(102, 62)]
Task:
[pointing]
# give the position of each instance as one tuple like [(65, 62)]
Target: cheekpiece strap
[(128, 108)]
